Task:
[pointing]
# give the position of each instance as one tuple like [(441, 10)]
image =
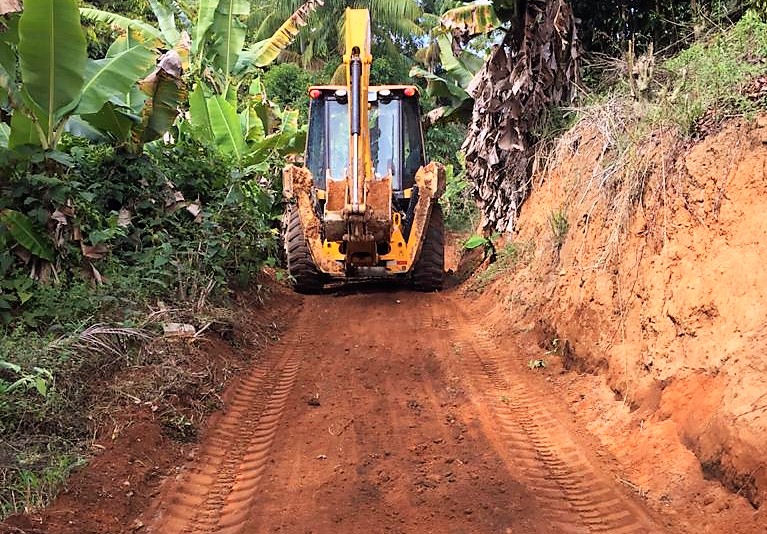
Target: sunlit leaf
[(472, 19), (97, 15), (475, 241), (264, 52), (5, 134), (52, 54)]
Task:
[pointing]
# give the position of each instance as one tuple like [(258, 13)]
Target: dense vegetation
[(143, 170)]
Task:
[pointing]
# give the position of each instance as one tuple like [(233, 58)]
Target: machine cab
[(396, 140)]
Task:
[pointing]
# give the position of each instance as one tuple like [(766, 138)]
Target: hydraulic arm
[(363, 203)]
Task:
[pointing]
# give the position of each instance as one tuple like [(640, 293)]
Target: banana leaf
[(469, 20), (264, 52), (78, 127), (457, 66), (52, 54), (215, 120), (287, 140), (225, 126), (252, 126), (161, 108), (165, 91), (114, 75), (114, 121), (166, 20), (23, 131), (7, 74), (199, 122), (229, 28), (147, 30), (26, 233), (205, 13), (5, 134), (439, 86)]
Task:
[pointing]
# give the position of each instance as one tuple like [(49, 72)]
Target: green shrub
[(712, 75), (287, 84), (443, 142), (458, 204)]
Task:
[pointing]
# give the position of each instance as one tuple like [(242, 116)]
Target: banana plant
[(57, 80), (453, 81), (459, 65), (52, 71), (248, 136), (219, 61), (218, 34)]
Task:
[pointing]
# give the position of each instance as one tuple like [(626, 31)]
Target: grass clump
[(506, 259), (559, 227), (713, 75)]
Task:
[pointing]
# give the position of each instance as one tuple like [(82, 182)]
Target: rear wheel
[(307, 278), (429, 270)]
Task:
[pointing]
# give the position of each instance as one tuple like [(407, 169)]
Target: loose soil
[(581, 390), (381, 411)]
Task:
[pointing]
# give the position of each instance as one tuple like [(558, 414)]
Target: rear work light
[(409, 91), (315, 93)]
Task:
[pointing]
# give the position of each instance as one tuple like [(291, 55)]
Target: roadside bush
[(458, 204), (443, 144), (287, 84), (710, 76), (99, 236)]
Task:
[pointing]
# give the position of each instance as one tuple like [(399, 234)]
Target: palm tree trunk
[(535, 67)]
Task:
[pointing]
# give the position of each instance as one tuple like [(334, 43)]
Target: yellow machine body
[(363, 218)]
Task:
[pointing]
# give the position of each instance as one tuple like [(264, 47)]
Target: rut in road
[(391, 413)]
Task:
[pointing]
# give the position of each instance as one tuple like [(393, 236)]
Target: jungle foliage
[(140, 152), (145, 174)]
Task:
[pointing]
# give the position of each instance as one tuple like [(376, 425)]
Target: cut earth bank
[(650, 326), (643, 269)]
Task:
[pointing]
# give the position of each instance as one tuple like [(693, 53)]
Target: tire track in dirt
[(568, 487), (392, 445), (216, 494)]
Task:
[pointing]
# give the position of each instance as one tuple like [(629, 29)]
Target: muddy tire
[(429, 270), (307, 278)]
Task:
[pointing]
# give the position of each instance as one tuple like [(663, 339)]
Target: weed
[(506, 259), (712, 74), (559, 227), (487, 244), (31, 488)]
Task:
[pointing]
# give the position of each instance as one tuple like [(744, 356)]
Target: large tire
[(306, 277), (429, 270)]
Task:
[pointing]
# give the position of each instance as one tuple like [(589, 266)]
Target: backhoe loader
[(364, 204)]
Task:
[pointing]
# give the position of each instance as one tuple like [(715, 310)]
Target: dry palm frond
[(103, 339)]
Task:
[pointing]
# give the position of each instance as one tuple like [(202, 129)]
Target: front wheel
[(429, 270), (307, 278)]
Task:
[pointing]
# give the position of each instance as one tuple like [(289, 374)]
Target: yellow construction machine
[(364, 205)]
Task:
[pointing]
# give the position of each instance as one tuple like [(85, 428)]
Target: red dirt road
[(391, 412)]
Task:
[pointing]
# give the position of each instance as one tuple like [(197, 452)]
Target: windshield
[(392, 137), (384, 137), (338, 138)]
